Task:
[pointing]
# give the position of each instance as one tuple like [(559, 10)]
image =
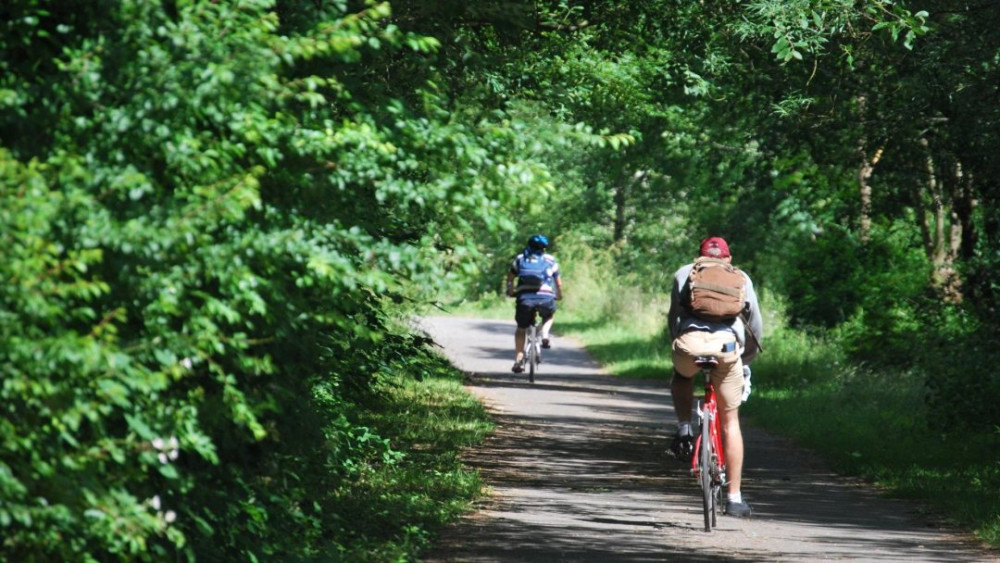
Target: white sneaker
[(746, 384)]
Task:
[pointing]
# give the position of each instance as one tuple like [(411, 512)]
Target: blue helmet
[(538, 243)]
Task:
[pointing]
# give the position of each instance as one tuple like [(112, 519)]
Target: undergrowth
[(395, 510)]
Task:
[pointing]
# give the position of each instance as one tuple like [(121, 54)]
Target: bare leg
[(547, 326), (520, 335), (732, 443), (682, 392)]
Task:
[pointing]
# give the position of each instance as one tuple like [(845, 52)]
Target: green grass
[(396, 509), (873, 425), (621, 350)]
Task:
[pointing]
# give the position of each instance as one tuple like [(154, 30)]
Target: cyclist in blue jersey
[(534, 279)]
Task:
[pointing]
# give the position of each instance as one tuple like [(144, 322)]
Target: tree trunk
[(865, 172), (621, 216), (947, 222), (621, 197)]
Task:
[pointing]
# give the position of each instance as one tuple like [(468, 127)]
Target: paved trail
[(578, 473)]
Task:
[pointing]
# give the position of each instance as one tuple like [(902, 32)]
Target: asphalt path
[(577, 471)]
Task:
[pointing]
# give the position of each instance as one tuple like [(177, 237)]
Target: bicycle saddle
[(706, 362)]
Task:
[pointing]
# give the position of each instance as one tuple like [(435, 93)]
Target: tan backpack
[(716, 290)]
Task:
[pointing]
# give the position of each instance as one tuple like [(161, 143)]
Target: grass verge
[(397, 508)]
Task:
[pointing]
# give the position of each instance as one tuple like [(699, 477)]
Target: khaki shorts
[(727, 377)]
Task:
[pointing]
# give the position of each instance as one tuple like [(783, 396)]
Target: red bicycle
[(708, 464)]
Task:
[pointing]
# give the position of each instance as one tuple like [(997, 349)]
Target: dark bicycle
[(532, 350)]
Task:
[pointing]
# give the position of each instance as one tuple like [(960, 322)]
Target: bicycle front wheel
[(705, 455), (531, 353)]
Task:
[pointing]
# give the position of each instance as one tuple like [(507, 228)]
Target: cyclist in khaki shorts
[(726, 339)]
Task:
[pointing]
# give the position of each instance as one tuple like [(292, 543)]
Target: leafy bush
[(961, 387), (209, 227), (875, 292)]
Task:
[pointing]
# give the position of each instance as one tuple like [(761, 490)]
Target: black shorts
[(529, 303)]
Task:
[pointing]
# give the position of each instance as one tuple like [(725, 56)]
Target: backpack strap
[(748, 330), (719, 288)]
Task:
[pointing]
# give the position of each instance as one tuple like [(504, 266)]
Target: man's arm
[(675, 311), (753, 324), (512, 276)]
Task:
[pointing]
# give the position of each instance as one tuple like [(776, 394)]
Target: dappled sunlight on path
[(577, 472)]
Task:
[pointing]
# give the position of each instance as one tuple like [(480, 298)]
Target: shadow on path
[(577, 472)]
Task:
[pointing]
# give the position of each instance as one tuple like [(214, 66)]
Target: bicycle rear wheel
[(708, 490), (531, 367), (532, 353), (716, 500)]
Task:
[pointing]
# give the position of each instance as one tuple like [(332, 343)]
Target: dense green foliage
[(215, 215), (208, 210)]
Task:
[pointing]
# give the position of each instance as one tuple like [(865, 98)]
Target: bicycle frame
[(709, 469), (708, 409), (532, 351)]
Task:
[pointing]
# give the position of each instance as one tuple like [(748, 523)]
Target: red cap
[(715, 247)]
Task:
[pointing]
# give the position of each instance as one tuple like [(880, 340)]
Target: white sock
[(684, 428), (736, 497)]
